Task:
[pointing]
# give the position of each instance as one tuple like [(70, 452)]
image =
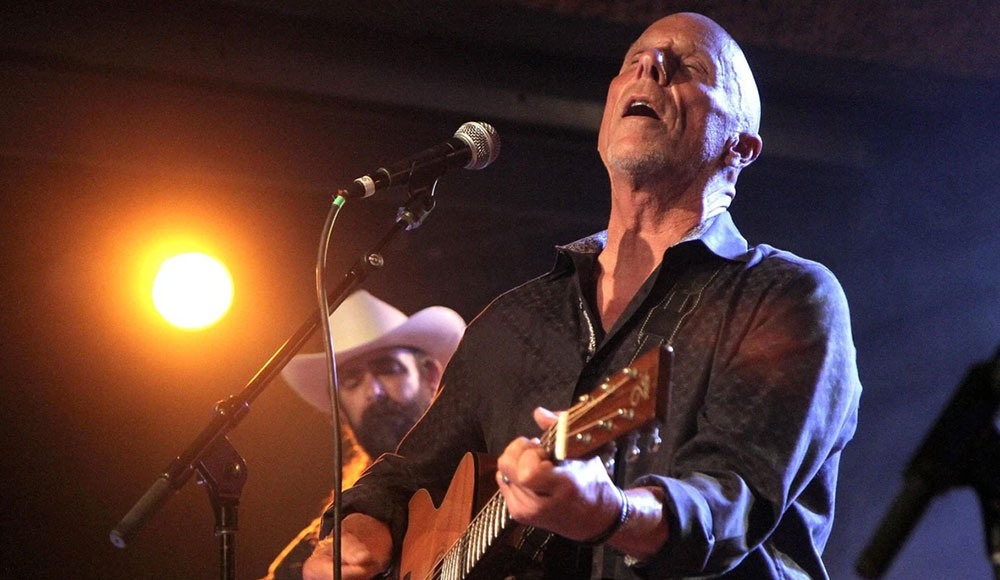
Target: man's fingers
[(544, 418), (514, 457), (526, 468), (524, 461), (507, 463), (524, 504), (356, 560)]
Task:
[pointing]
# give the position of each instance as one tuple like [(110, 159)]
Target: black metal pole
[(223, 472)]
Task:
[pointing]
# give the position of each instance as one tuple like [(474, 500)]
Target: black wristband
[(615, 525)]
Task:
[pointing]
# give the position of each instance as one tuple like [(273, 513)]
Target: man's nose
[(374, 389), (651, 63)]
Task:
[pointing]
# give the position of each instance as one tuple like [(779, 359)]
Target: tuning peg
[(654, 439), (633, 448)]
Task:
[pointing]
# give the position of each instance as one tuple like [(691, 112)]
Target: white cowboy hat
[(363, 323)]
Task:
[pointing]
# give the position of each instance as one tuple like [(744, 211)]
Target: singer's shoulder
[(778, 277), (767, 261)]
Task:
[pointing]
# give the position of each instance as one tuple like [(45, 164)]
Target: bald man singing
[(765, 386)]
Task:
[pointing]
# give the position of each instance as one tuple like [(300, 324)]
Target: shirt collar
[(717, 234), (720, 236)]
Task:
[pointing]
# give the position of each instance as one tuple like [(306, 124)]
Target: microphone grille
[(484, 142)]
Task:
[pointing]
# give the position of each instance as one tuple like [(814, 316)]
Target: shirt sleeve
[(780, 404)]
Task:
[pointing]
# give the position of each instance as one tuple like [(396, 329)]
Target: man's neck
[(654, 218), (643, 224)]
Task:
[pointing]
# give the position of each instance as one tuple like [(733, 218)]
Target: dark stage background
[(226, 126)]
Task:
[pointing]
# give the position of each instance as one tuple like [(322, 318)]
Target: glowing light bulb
[(192, 291)]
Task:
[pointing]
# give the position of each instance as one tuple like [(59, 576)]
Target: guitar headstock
[(625, 401)]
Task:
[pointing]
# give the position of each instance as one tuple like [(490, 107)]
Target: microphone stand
[(223, 472), (985, 479), (218, 464), (990, 502), (961, 449)]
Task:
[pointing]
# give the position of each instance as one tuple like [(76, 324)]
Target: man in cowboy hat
[(388, 368)]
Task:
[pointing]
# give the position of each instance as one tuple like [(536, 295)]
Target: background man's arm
[(366, 551)]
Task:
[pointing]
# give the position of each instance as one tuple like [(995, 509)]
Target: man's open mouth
[(640, 109)]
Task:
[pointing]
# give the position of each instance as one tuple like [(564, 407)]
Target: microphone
[(474, 146)]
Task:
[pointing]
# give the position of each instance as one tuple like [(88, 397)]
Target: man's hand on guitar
[(366, 551), (575, 499)]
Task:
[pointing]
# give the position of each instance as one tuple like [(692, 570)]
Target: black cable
[(331, 367)]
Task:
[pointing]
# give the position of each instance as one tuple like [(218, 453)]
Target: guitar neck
[(625, 401), (493, 520)]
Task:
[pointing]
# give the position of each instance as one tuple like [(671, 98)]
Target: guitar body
[(433, 531), (436, 529)]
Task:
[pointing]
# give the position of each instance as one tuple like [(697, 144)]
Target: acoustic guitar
[(448, 543)]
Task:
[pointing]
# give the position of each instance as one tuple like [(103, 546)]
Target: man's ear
[(430, 374), (743, 149)]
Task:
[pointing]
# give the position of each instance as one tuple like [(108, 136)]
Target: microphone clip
[(419, 203)]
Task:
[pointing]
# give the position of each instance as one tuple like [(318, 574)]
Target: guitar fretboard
[(466, 553)]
